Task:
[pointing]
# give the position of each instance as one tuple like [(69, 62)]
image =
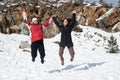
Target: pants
[(61, 50), (38, 45)]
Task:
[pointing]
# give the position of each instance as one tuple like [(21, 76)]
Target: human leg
[(33, 51), (72, 53), (61, 50), (41, 50)]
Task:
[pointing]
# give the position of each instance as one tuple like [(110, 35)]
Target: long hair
[(66, 19)]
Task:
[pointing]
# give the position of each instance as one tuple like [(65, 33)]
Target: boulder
[(24, 44), (51, 30), (107, 20), (15, 29), (81, 19), (93, 13), (98, 16), (4, 25), (116, 27), (24, 29), (17, 18), (88, 14)]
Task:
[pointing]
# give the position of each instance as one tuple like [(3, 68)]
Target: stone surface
[(86, 15), (116, 28)]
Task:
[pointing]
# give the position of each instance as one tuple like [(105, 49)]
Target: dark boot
[(42, 61), (33, 59), (71, 59), (62, 62)]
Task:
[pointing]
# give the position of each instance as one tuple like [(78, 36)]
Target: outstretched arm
[(46, 23), (73, 18), (56, 22), (25, 18)]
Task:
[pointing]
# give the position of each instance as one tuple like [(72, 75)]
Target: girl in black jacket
[(66, 39)]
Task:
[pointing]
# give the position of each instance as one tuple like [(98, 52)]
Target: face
[(65, 22), (35, 22)]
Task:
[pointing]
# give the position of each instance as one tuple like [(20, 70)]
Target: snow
[(13, 4), (91, 60), (8, 5), (2, 3)]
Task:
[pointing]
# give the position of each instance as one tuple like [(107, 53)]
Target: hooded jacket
[(66, 39)]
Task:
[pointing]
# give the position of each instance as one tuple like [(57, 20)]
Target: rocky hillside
[(97, 15)]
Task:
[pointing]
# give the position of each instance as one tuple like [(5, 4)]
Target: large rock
[(16, 16), (4, 25), (24, 29), (24, 44), (81, 19), (88, 14), (51, 30), (15, 29), (116, 28), (109, 19), (94, 13)]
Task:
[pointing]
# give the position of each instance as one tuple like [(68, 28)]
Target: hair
[(34, 19), (37, 19), (66, 19)]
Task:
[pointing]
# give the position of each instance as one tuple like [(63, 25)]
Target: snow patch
[(91, 60)]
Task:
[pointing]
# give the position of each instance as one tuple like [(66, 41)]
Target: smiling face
[(35, 21), (65, 22)]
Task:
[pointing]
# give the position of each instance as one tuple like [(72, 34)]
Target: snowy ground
[(91, 60)]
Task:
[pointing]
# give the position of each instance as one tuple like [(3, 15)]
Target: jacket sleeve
[(46, 23), (56, 22), (27, 21), (73, 21)]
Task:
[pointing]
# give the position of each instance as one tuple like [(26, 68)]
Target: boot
[(71, 59), (33, 59), (42, 61), (62, 62)]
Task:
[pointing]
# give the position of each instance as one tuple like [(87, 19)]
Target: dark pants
[(71, 51), (37, 45)]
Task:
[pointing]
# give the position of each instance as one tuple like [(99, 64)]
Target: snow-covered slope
[(91, 60)]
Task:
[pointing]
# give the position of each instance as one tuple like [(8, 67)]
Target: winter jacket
[(37, 30), (66, 39)]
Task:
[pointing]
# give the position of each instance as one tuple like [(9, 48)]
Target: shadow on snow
[(84, 66)]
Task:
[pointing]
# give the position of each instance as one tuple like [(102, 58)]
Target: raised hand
[(53, 16), (24, 14)]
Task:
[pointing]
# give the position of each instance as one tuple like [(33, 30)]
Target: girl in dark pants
[(66, 39)]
